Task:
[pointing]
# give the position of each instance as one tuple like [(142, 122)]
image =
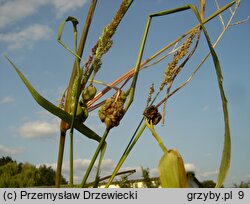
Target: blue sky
[(194, 121)]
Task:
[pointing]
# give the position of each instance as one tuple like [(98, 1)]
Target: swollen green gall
[(89, 93), (81, 112)]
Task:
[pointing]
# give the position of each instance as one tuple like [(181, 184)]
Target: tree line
[(20, 175)]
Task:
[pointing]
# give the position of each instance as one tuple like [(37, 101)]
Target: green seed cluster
[(81, 112), (112, 111), (82, 109), (88, 93)]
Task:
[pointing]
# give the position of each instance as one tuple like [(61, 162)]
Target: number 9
[(241, 194)]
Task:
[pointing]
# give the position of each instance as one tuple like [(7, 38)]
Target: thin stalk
[(98, 170), (99, 147), (71, 155), (107, 177), (220, 16), (137, 66), (157, 137), (104, 84), (161, 58), (125, 155), (64, 126), (59, 160), (71, 160), (82, 42)]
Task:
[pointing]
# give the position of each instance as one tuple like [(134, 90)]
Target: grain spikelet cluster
[(105, 42), (172, 69)]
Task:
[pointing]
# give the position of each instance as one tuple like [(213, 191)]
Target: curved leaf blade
[(226, 154), (54, 109)]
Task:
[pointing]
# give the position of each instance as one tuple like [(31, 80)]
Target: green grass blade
[(125, 154), (98, 170), (54, 109), (226, 154), (74, 22), (99, 148), (157, 137)]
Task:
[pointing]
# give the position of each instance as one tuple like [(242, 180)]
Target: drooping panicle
[(172, 69)]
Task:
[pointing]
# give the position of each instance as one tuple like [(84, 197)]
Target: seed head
[(172, 69), (112, 111), (150, 92), (152, 115), (105, 42)]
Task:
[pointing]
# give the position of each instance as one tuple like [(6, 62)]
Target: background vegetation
[(15, 175)]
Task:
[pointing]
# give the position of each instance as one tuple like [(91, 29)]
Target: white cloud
[(7, 100), (63, 6), (81, 165), (154, 172), (38, 129), (26, 37), (13, 11), (209, 174), (190, 167), (9, 151)]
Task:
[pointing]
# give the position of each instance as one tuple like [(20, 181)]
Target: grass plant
[(81, 95)]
